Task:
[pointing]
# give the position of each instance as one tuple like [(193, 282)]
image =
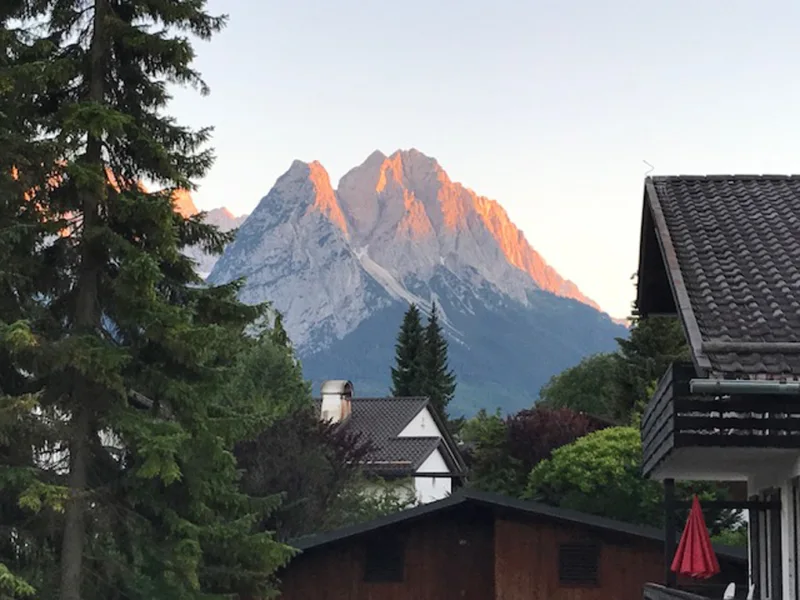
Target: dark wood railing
[(658, 420), (653, 591), (675, 418)]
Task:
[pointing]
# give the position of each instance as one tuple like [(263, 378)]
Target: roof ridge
[(726, 177), (387, 398)]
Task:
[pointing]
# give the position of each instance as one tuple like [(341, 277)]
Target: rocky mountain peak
[(183, 203), (223, 212), (411, 217), (389, 192), (308, 189)]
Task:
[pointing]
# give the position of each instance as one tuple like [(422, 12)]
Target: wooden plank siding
[(526, 564)]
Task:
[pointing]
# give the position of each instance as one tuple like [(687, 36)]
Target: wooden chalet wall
[(469, 554), (447, 556), (526, 563)]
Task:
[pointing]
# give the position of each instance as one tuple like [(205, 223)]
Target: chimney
[(336, 400)]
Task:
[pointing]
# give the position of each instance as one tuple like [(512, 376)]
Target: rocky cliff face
[(342, 265), (409, 217), (295, 252), (221, 217)]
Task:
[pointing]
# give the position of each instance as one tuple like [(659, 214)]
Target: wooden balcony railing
[(676, 418), (653, 591)]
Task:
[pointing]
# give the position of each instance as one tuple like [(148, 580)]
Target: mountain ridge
[(353, 204), (342, 265)]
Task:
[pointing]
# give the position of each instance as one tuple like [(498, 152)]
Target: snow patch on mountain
[(400, 292)]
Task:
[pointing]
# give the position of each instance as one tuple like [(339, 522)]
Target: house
[(413, 448), (480, 546), (722, 254)]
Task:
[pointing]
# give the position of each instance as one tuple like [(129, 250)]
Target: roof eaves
[(435, 444), (494, 501), (646, 222), (675, 277), (441, 445), (592, 521)]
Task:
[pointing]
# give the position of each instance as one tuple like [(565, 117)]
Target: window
[(578, 563), (384, 559)]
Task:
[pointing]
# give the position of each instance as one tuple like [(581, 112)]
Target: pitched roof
[(725, 252), (401, 455), (383, 419), (504, 505)]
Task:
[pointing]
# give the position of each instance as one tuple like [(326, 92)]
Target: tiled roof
[(401, 455), (382, 420), (731, 249)]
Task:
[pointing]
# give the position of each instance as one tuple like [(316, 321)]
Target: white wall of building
[(425, 489), (782, 475), (402, 489), (422, 425)]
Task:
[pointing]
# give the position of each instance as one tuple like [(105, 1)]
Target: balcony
[(654, 591), (710, 437)]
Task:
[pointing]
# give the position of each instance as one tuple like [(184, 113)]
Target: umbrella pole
[(669, 531)]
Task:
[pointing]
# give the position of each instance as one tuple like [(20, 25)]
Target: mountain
[(221, 217), (342, 266)]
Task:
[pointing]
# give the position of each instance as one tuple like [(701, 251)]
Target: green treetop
[(407, 374), (439, 382)]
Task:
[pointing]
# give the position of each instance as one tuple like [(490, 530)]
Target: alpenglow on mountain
[(342, 266), (224, 219)]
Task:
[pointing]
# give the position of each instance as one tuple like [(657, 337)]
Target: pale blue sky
[(550, 107)]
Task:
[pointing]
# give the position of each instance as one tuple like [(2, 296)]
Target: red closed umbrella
[(695, 557)]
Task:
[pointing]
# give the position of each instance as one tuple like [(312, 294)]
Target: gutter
[(743, 386)]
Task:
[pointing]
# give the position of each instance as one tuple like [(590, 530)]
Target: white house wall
[(782, 474), (422, 425), (402, 489), (430, 489)]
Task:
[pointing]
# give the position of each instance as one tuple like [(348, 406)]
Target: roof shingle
[(731, 248), (400, 455)]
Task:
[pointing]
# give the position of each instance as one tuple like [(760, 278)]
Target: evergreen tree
[(278, 334), (114, 357), (439, 382), (407, 375), (641, 359)]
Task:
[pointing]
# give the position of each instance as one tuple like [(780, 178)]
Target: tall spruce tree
[(408, 378), (113, 356), (439, 381)]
